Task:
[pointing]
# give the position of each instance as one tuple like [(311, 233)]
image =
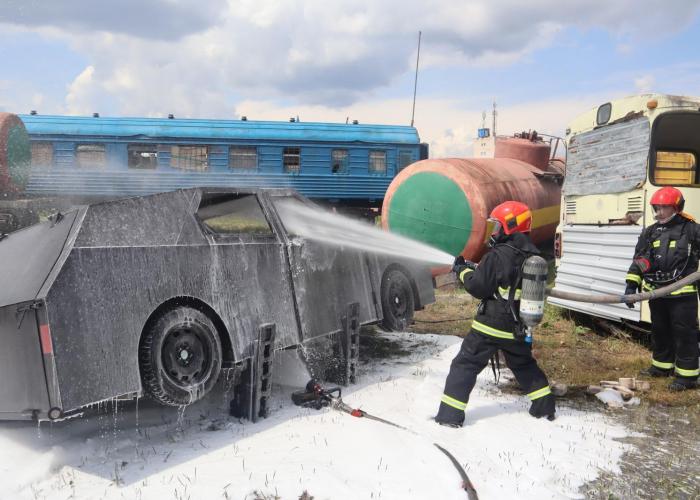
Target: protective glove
[(631, 289), (460, 265)]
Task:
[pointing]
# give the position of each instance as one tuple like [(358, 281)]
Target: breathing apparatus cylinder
[(533, 292)]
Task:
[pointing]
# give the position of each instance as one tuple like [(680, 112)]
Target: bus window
[(291, 160), (189, 157), (142, 156), (90, 155), (377, 162), (339, 161), (42, 154), (610, 159), (676, 169)]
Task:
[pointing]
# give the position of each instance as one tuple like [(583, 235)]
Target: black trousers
[(477, 348), (674, 332)]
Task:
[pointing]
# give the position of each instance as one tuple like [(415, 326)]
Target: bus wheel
[(180, 357), (397, 301)]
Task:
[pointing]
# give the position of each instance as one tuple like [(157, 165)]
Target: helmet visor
[(493, 227)]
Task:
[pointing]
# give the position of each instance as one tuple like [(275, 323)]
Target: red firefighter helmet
[(668, 196), (512, 216)]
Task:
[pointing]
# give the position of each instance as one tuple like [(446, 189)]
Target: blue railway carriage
[(349, 165)]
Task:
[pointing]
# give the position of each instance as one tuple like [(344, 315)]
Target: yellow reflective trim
[(633, 277), (656, 244), (672, 244), (480, 327), (661, 364), (454, 403), (504, 292), (646, 287), (539, 393), (523, 216), (464, 273), (688, 373)]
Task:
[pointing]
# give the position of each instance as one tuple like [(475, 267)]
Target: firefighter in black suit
[(496, 281), (666, 252)]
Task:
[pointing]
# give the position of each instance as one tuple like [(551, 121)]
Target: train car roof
[(205, 129)]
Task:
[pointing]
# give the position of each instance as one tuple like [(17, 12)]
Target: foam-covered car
[(160, 294)]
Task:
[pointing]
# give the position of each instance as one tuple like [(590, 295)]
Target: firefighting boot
[(683, 384), (654, 371)]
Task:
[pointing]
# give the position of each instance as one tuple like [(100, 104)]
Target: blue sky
[(544, 62)]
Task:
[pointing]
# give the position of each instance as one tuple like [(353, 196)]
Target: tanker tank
[(445, 202), (15, 154)]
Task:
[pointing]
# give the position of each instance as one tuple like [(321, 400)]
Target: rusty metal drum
[(445, 202), (15, 154)]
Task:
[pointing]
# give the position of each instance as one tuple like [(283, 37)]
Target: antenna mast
[(415, 82), (495, 113)]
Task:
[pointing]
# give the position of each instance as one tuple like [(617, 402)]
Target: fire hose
[(316, 396), (611, 298)]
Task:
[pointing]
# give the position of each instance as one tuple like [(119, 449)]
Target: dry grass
[(566, 349)]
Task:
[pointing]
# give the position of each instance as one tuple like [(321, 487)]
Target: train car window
[(42, 154), (142, 156), (377, 162), (405, 159), (189, 157), (242, 157), (675, 169), (291, 160), (339, 161), (90, 155), (233, 213)]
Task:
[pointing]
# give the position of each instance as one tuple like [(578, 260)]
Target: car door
[(326, 279)]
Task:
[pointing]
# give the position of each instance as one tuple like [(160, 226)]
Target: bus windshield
[(609, 159)]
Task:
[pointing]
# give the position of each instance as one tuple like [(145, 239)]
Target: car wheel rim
[(186, 355), (397, 300)]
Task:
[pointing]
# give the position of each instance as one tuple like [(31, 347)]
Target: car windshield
[(233, 214)]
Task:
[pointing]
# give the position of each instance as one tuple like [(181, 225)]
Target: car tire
[(397, 301), (180, 357)]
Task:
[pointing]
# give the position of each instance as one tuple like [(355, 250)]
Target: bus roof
[(205, 129), (632, 104)]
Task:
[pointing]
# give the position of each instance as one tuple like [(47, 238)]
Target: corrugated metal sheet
[(595, 259), (610, 159), (211, 130)]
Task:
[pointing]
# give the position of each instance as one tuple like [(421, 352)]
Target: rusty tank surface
[(15, 153), (445, 202)]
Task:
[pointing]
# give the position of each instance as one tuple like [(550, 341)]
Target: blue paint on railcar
[(83, 156)]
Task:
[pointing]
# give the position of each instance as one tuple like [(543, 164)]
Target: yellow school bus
[(618, 154)]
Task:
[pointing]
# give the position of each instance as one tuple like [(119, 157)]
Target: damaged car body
[(159, 295)]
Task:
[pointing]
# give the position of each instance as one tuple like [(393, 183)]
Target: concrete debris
[(559, 389), (619, 393)]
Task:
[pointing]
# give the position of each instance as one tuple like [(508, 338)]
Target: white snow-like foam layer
[(506, 453)]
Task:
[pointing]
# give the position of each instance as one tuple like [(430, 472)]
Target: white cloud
[(195, 58), (644, 84), (448, 126)]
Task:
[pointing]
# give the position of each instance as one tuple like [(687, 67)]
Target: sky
[(543, 62)]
